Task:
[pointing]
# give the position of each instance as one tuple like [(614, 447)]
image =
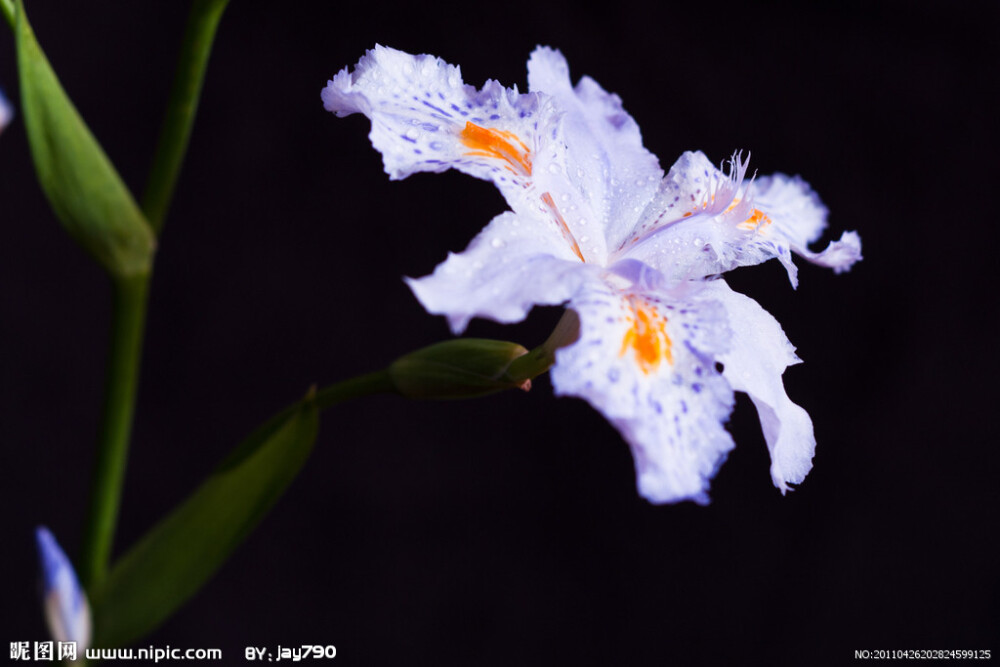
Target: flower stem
[(196, 47), (128, 319), (541, 359), (378, 382), (131, 293)]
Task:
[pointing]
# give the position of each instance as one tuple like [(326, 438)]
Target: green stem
[(541, 359), (529, 366), (128, 319), (378, 382), (192, 62), (131, 294)]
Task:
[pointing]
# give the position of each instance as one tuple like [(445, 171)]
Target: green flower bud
[(460, 368)]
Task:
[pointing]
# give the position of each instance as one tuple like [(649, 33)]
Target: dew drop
[(497, 242)]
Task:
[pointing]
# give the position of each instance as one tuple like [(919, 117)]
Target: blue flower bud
[(6, 111), (65, 604)]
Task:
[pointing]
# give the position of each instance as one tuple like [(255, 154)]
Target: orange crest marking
[(647, 336), (757, 220), (499, 144)]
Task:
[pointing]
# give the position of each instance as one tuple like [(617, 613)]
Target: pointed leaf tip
[(82, 186)]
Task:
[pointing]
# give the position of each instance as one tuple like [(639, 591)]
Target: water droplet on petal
[(497, 242)]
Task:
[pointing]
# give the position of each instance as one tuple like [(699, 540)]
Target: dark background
[(508, 530)]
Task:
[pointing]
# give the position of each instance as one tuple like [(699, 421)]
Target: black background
[(508, 530)]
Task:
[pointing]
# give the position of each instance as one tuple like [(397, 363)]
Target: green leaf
[(81, 184), (179, 555)]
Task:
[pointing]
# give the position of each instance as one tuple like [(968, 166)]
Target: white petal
[(798, 218), (66, 610), (680, 232), (795, 208), (758, 354), (645, 360), (704, 222), (839, 255), (424, 118), (512, 265), (610, 175), (6, 112)]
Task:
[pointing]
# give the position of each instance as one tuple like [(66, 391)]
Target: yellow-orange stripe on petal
[(646, 336), (563, 227), (500, 144)]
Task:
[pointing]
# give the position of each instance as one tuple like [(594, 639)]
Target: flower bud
[(6, 111), (65, 604), (460, 368)]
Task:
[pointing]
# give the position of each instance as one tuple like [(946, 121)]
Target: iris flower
[(595, 224)]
